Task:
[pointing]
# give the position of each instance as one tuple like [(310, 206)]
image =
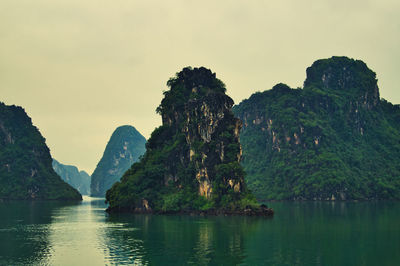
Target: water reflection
[(24, 231), (302, 233), (178, 240), (74, 234), (328, 233)]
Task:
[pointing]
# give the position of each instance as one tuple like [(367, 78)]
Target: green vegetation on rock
[(25, 162), (333, 139), (124, 148), (192, 160)]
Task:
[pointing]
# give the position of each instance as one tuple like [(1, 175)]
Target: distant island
[(124, 148), (80, 180), (334, 139), (25, 162), (192, 161)]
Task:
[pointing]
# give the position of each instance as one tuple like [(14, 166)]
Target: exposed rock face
[(192, 160), (204, 121), (124, 148), (25, 162), (80, 180), (332, 140)]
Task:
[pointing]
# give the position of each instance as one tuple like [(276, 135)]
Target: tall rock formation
[(80, 180), (333, 139), (25, 162), (124, 148), (192, 160)]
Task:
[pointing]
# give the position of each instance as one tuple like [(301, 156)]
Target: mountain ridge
[(78, 179), (332, 139), (26, 171)]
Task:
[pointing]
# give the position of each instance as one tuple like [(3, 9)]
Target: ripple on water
[(120, 245)]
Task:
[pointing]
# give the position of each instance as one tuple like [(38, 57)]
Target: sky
[(81, 68)]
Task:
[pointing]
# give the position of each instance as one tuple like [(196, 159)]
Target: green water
[(308, 233)]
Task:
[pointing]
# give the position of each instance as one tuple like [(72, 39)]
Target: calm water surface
[(307, 233)]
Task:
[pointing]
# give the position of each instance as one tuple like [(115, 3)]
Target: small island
[(192, 161)]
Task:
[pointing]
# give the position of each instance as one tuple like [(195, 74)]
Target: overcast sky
[(80, 68)]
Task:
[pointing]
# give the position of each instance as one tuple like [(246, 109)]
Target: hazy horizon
[(80, 69)]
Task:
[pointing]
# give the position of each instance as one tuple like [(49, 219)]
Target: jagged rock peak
[(344, 74), (187, 87), (197, 106), (191, 161)]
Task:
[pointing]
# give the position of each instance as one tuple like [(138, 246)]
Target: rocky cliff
[(80, 180), (124, 148), (192, 160), (333, 139), (25, 162)]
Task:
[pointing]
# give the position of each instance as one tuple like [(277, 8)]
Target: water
[(307, 233)]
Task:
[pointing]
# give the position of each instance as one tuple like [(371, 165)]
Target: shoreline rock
[(248, 211)]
